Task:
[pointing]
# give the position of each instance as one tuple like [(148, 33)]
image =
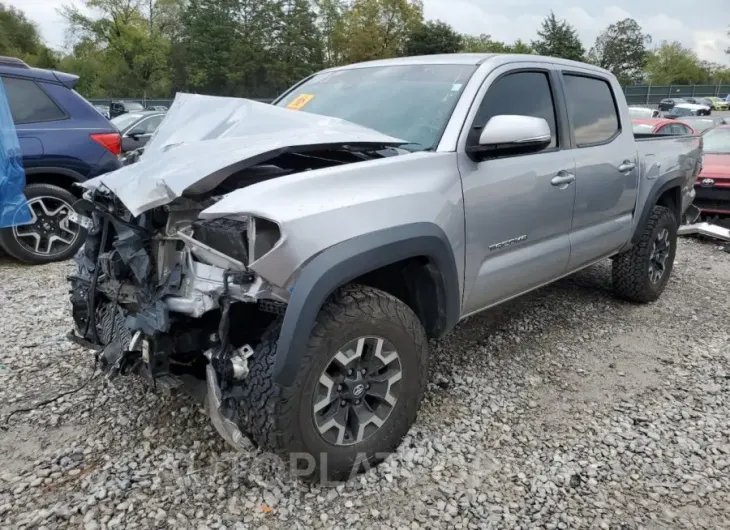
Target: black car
[(117, 108), (669, 103), (137, 128)]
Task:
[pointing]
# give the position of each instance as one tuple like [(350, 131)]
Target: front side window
[(150, 124), (523, 94), (410, 102), (592, 109), (29, 103)]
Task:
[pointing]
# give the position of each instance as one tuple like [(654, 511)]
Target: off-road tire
[(10, 245), (281, 420), (630, 272)]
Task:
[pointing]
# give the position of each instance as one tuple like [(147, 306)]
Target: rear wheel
[(356, 394), (50, 236)]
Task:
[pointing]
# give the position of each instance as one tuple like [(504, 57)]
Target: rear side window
[(592, 109), (521, 93), (29, 103)]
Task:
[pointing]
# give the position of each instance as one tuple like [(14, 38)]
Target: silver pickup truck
[(295, 258)]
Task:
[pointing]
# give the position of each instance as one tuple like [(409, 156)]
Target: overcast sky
[(700, 24)]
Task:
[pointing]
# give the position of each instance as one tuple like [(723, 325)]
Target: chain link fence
[(653, 94), (635, 95)]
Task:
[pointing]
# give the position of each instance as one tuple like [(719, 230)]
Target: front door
[(518, 209)]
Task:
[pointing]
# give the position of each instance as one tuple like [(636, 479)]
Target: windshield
[(410, 102), (717, 141), (642, 128), (125, 120), (681, 111)]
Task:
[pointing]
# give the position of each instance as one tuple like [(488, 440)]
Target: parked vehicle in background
[(669, 103), (64, 140), (681, 110), (137, 128), (643, 112), (385, 202), (159, 108), (719, 103), (702, 123), (660, 126), (103, 110), (713, 183), (696, 109), (117, 108)]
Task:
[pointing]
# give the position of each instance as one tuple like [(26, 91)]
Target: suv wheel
[(356, 394), (50, 236), (642, 273)]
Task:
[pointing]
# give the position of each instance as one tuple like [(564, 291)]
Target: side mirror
[(136, 133), (511, 135)]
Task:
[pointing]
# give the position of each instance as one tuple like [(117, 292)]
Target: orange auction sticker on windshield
[(299, 102)]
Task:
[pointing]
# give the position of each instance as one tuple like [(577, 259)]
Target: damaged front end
[(155, 296), (165, 286)]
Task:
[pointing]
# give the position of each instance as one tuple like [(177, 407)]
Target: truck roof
[(469, 58)]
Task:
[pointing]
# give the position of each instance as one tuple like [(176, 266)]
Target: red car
[(713, 183), (660, 126)]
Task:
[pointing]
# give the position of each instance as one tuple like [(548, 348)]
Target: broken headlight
[(262, 237), (244, 238)]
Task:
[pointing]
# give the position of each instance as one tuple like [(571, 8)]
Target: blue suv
[(64, 140)]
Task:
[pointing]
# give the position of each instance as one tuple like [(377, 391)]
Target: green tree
[(671, 63), (19, 38), (557, 38), (520, 46), (330, 14), (433, 37), (482, 44), (378, 29), (300, 49), (621, 48), (125, 39)]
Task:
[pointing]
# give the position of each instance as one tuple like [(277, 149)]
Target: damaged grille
[(228, 236)]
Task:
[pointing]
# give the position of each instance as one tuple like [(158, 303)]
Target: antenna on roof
[(12, 61)]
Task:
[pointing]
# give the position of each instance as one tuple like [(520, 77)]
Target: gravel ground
[(564, 409)]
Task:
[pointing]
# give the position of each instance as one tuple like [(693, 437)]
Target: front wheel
[(641, 274), (356, 394), (50, 236)]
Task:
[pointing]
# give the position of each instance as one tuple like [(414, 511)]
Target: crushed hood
[(205, 139)]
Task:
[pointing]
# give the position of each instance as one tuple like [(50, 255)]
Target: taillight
[(111, 141)]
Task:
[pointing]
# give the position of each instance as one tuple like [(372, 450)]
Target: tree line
[(258, 48)]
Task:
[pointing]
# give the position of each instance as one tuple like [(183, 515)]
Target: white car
[(643, 112), (697, 110)]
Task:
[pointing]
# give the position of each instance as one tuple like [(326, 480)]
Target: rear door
[(607, 166), (33, 112), (518, 208)]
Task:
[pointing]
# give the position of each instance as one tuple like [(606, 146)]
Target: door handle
[(563, 179), (627, 166)]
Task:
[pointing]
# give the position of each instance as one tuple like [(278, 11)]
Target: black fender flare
[(342, 263), (76, 176), (677, 182)]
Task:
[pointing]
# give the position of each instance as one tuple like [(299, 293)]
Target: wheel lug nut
[(367, 386), (339, 388), (357, 402), (343, 402), (363, 371), (349, 372)]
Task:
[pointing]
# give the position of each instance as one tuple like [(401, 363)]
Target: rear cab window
[(29, 103), (592, 109)]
